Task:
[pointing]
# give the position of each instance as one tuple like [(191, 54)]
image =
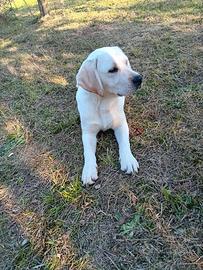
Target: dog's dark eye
[(113, 70)]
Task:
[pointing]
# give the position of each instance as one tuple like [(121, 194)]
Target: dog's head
[(108, 70)]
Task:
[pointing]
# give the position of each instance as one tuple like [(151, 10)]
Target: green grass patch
[(139, 221), (60, 197), (11, 144), (25, 257), (15, 137), (67, 124), (53, 207), (179, 204), (71, 192), (108, 158)]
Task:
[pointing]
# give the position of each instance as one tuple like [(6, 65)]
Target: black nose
[(137, 80)]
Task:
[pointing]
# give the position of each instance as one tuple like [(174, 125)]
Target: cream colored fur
[(103, 81)]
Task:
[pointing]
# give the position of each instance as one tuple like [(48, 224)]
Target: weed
[(138, 221)]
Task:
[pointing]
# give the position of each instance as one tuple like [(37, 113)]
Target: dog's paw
[(89, 174), (129, 164)]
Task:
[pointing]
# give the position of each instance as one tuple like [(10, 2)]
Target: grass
[(151, 220), (139, 221)]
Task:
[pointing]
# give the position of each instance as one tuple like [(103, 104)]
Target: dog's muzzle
[(137, 81)]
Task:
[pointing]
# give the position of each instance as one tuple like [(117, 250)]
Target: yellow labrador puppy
[(103, 81)]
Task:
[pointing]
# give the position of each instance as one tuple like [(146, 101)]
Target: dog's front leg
[(89, 173), (128, 163)]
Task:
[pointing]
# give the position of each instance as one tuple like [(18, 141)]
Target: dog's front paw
[(89, 174), (129, 164)]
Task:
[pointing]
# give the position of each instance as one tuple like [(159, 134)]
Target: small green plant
[(137, 222)]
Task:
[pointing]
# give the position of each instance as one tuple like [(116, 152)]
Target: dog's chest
[(109, 113)]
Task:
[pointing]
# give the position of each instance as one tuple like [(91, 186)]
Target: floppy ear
[(88, 77)]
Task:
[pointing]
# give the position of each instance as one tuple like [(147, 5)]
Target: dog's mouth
[(131, 91)]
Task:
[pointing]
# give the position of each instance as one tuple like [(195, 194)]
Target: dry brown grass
[(152, 220)]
